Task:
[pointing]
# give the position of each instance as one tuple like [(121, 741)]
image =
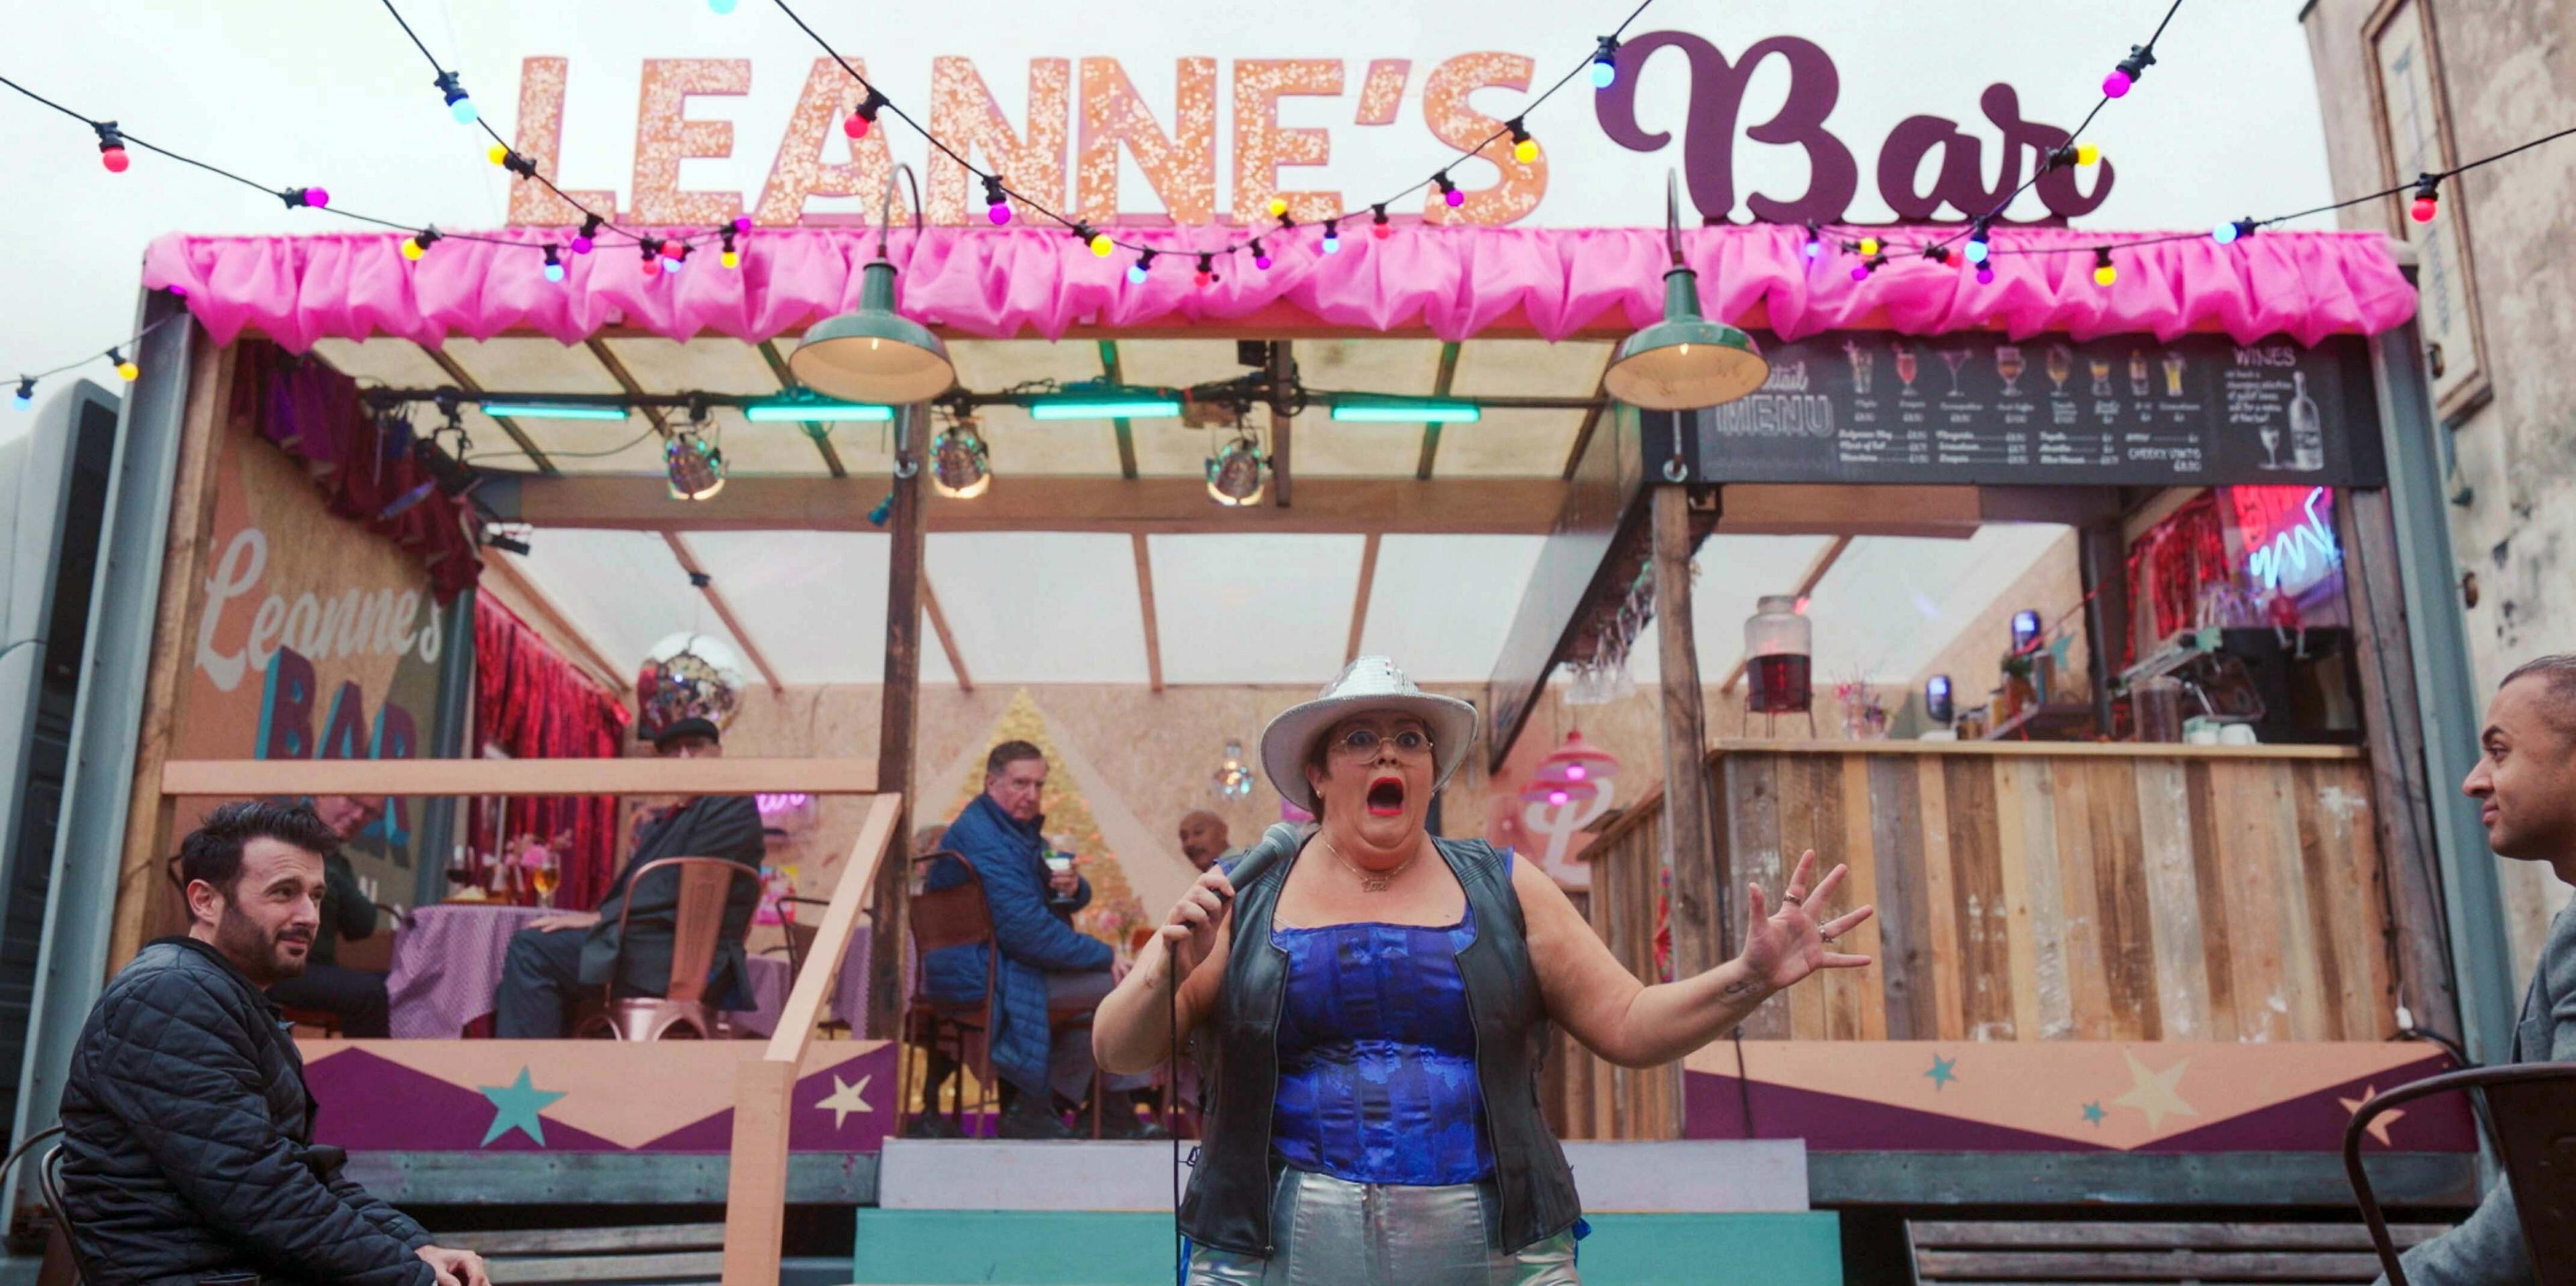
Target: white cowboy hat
[(1369, 683)]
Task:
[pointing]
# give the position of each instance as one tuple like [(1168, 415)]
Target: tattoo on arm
[(1741, 988)]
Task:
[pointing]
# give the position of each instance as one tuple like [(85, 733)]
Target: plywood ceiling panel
[(1528, 368), (1508, 443), (622, 588), (713, 365), (531, 366), (815, 601)]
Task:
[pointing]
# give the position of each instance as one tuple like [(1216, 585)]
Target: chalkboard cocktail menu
[(2123, 410)]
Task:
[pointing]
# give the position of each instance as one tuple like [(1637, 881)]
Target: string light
[(1278, 207), (2227, 233), (722, 6), (1605, 63), (554, 264), (997, 203), (1868, 246), (1524, 148), (1985, 274), (1378, 226), (1937, 253), (1136, 272), (1448, 190), (1815, 242), (2125, 76), (1865, 268), (1101, 245), (25, 397), (731, 257), (588, 238), (1260, 257), (111, 147), (864, 116), (2428, 198), (2066, 154), (652, 253), (1977, 247), (1332, 236), (418, 243), (2104, 271), (304, 198), (458, 104), (1206, 275), (675, 255), (126, 370)]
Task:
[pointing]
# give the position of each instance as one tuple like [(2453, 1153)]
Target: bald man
[(1203, 838)]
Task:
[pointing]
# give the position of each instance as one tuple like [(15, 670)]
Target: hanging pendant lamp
[(1685, 361), (876, 354)]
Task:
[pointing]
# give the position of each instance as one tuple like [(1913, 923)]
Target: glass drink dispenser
[(1778, 645)]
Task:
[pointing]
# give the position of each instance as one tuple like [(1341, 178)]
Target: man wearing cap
[(1373, 1008), (547, 966)]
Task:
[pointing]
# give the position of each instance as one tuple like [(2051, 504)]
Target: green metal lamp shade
[(874, 354), (1685, 361)]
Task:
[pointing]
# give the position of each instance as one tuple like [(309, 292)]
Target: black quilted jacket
[(187, 1136)]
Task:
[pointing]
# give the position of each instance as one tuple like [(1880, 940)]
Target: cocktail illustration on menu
[(2008, 364), (2137, 372), (2061, 367), (2101, 375), (1864, 363), (1906, 369), (2173, 374), (1954, 358)]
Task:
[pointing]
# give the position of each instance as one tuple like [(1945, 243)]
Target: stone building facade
[(2410, 86)]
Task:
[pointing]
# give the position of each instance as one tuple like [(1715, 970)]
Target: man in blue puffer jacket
[(1045, 964)]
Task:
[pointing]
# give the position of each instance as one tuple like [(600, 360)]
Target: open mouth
[(1386, 797)]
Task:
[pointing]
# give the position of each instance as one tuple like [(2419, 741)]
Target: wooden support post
[(142, 892), (1283, 369), (1360, 600), (947, 641), (2393, 722), (2101, 555), (898, 721), (1690, 824), (706, 583), (1145, 598)]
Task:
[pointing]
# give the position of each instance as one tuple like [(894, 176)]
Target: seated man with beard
[(187, 1129)]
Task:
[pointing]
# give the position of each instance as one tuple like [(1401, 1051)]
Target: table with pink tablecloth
[(447, 968)]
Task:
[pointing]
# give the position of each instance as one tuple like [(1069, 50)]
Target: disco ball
[(687, 676)]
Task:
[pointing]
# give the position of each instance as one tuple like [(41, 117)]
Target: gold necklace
[(1371, 882)]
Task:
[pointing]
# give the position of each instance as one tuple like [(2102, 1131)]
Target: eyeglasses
[(1360, 743)]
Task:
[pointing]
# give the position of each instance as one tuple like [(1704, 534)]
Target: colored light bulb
[(652, 265), (554, 270), (1277, 207), (1525, 151), (1860, 271), (722, 6), (1381, 230), (498, 153), (1868, 246), (2116, 85), (126, 370), (2224, 233), (856, 126), (1605, 73), (2425, 208), (582, 245), (1977, 250), (742, 223), (1201, 278), (1985, 274), (412, 249), (317, 197), (1575, 772), (1101, 245), (25, 397), (2087, 154), (2104, 271), (1136, 273), (1260, 257), (730, 258), (464, 110), (1815, 248), (1455, 197), (999, 212), (114, 159)]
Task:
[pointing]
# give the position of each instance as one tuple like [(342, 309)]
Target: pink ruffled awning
[(1451, 283)]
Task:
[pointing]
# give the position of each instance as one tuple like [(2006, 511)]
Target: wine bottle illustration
[(2307, 427)]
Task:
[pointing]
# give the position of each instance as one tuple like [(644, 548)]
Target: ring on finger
[(1793, 899)]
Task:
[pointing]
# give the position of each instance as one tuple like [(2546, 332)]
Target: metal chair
[(2530, 1117), (682, 1011), (940, 919), (49, 1185)]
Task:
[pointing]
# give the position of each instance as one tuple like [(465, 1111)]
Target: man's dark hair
[(213, 851), (2557, 676), (1009, 753)]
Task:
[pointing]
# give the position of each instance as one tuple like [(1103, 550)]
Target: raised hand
[(1780, 950)]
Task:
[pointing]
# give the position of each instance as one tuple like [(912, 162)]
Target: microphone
[(1280, 841)]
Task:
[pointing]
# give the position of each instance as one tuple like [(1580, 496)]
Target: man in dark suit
[(2525, 782), (548, 967), (357, 996)]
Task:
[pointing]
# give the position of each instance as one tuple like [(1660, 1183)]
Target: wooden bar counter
[(2032, 891)]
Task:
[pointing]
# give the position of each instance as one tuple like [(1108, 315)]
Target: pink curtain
[(531, 703)]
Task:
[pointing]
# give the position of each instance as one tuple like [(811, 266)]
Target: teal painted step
[(1081, 1248)]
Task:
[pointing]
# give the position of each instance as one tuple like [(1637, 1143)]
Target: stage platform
[(1045, 1214)]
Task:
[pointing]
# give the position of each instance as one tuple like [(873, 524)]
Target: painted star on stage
[(2093, 1113), (2379, 1124), (2155, 1093), (846, 1098), (1941, 1072), (515, 1106)]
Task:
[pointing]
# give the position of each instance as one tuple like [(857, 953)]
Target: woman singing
[(1371, 1068)]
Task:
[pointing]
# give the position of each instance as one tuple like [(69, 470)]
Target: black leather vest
[(1228, 1205)]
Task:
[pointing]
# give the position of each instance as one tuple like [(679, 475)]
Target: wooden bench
[(663, 1253), (2062, 1254)]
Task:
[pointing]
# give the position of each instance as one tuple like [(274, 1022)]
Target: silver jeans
[(1332, 1232)]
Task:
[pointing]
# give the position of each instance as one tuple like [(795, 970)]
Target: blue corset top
[(1377, 1056)]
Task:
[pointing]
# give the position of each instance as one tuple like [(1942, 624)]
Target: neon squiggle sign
[(2300, 553)]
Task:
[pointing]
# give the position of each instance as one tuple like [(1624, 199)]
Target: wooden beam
[(724, 611), (899, 714), (1145, 596), (617, 371), (756, 1179), (1814, 575), (819, 431), (1109, 370), (1283, 371), (501, 571), (1170, 506), (1699, 923), (187, 546), (1440, 384), (419, 778), (1591, 419), (1803, 509), (947, 641), (1360, 601), (518, 436)]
